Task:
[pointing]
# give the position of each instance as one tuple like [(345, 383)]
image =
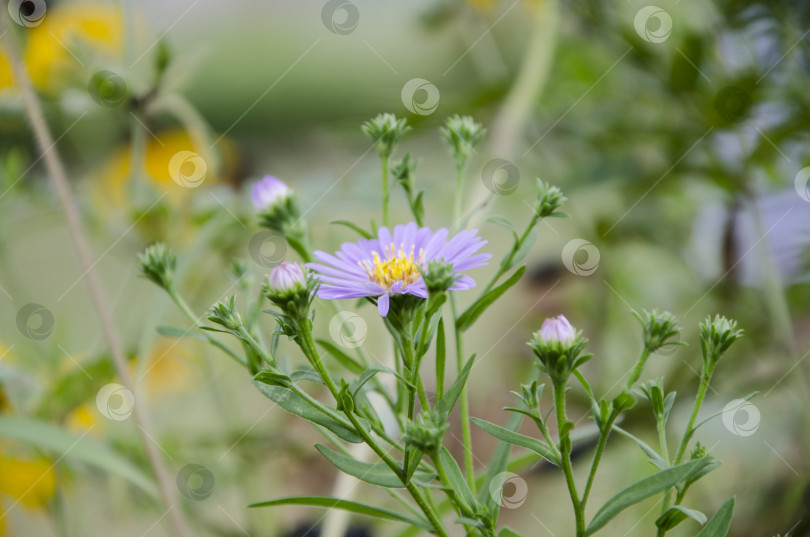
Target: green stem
[(464, 403), (463, 508), (639, 368), (386, 193), (662, 439), (307, 345), (600, 448), (459, 192), (565, 458)]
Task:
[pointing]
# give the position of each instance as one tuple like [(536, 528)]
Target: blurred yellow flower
[(168, 367), (30, 482), (6, 77), (68, 32), (83, 418), (157, 166)]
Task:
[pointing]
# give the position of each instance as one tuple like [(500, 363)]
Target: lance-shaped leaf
[(641, 490), (677, 514), (346, 505), (479, 306), (376, 473), (445, 405), (720, 523), (517, 439)]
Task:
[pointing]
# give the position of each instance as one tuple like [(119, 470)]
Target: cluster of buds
[(659, 327), (462, 134), (549, 199), (385, 130), (716, 336), (425, 433), (559, 348), (157, 265)]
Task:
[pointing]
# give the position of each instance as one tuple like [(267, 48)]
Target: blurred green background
[(679, 133)]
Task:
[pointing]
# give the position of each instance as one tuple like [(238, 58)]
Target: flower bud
[(559, 348), (268, 192), (462, 134), (403, 171), (549, 199), (289, 288), (658, 327), (716, 336), (225, 314), (157, 264), (556, 329), (277, 205), (439, 276), (425, 433), (286, 277), (385, 130)]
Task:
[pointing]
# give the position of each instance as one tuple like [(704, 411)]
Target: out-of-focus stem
[(59, 181)]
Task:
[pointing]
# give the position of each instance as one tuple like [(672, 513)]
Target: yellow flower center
[(396, 267)]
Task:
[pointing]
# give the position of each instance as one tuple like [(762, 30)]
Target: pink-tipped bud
[(268, 192), (286, 276), (557, 329)]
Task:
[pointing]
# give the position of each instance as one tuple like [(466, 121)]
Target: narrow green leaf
[(517, 439), (445, 405), (655, 458), (497, 465), (677, 514), (508, 532), (470, 522), (376, 473), (346, 505), (373, 370), (456, 478), (641, 490), (294, 404), (180, 333), (720, 523), (501, 221), (75, 447), (441, 357), (479, 306), (344, 359), (354, 227)]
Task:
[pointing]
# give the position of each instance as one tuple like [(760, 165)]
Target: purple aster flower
[(268, 191), (557, 329), (390, 264)]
